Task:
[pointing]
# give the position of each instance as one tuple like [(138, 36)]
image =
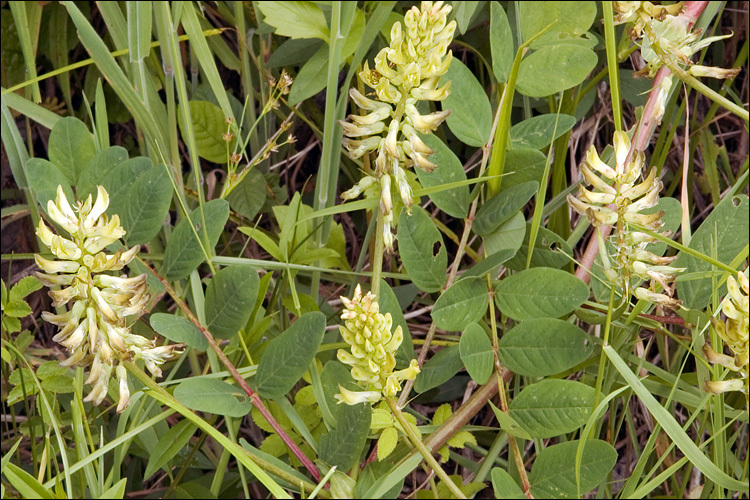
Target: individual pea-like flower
[(406, 72), (93, 329), (371, 352), (617, 198), (734, 333)]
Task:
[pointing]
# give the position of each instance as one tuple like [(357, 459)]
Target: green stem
[(423, 450), (377, 254), (612, 63), (605, 342)]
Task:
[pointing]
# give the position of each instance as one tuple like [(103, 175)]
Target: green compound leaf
[(439, 369), (463, 14), (178, 329), (296, 19), (71, 147), (44, 177), (183, 252), (536, 132), (554, 68), (343, 445), (312, 77), (501, 43), (208, 128), (507, 237), (502, 207), (540, 292), (140, 193), (724, 230), (573, 18), (551, 407), (24, 287), (213, 396), (471, 113), (543, 346), (387, 442), (169, 445), (288, 356), (463, 303), (475, 349), (549, 251), (230, 299), (454, 202), (553, 474), (504, 486), (417, 236)]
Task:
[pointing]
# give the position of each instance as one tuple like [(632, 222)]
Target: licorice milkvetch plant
[(406, 72), (94, 330), (621, 204)]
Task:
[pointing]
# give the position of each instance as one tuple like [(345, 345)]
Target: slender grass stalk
[(612, 64)]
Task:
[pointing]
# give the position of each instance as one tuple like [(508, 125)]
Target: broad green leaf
[(178, 329), (388, 303), (17, 308), (454, 202), (248, 197), (508, 424), (183, 252), (230, 299), (544, 346), (504, 486), (540, 292), (552, 407), (523, 165), (553, 474), (140, 193), (209, 126), (24, 287), (726, 231), (422, 250), (212, 395), (176, 438), (343, 445), (439, 369), (463, 303), (507, 237), (71, 147), (312, 77), (501, 43), (573, 18), (471, 114), (550, 250), (554, 68), (44, 177), (475, 349), (60, 384), (295, 19), (99, 168), (536, 132), (293, 52), (502, 207), (464, 11), (288, 356)]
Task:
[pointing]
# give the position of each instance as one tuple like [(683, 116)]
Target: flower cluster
[(407, 71), (734, 332), (668, 37), (621, 204), (93, 330), (371, 354)]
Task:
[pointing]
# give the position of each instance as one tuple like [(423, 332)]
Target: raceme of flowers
[(371, 352), (406, 72), (734, 333), (93, 329), (621, 204)]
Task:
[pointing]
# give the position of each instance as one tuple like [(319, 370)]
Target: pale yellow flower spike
[(372, 351), (406, 72), (94, 330)]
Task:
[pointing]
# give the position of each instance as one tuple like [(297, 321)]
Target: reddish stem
[(238, 378)]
